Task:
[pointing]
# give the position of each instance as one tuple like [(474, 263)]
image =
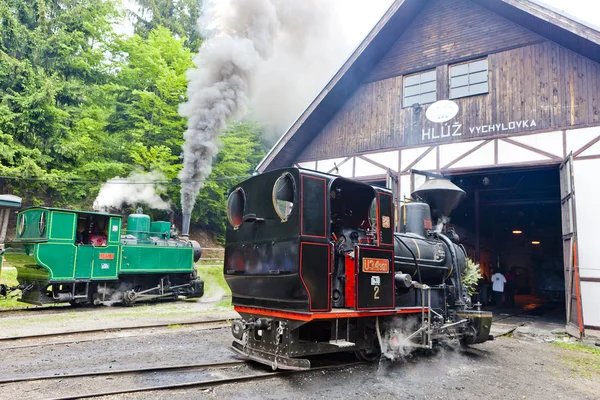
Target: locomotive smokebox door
[(374, 278)]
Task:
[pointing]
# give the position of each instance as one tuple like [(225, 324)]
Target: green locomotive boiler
[(82, 257)]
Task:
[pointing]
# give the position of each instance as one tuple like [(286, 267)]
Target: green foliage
[(52, 72), (80, 104), (471, 276), (179, 16), (148, 89)]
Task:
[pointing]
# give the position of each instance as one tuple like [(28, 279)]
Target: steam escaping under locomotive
[(315, 267), (81, 257)]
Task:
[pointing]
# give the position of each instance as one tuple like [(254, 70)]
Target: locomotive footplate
[(276, 361)]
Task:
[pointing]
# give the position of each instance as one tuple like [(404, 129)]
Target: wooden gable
[(447, 32), (530, 79)]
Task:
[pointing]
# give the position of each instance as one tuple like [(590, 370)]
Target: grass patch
[(15, 259), (214, 281), (9, 278), (174, 326), (578, 347), (225, 304), (582, 360)]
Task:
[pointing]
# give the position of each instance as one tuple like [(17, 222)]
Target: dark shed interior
[(510, 221)]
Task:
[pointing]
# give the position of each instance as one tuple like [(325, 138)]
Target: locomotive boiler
[(82, 257), (315, 266)]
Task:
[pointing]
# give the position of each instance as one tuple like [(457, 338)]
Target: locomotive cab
[(315, 267)]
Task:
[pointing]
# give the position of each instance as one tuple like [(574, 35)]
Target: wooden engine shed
[(501, 96)]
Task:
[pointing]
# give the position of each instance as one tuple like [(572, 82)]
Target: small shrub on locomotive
[(81, 257), (315, 267)]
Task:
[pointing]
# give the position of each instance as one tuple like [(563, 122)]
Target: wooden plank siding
[(447, 32), (545, 82)]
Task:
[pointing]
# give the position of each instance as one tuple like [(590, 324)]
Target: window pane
[(477, 66), (478, 77), (479, 88), (411, 80), (428, 76), (428, 98), (420, 88), (411, 91), (459, 81), (428, 87), (459, 92), (459, 70), (409, 101)]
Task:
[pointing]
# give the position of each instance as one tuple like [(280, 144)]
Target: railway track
[(207, 324), (13, 310), (122, 372), (62, 308), (258, 375)]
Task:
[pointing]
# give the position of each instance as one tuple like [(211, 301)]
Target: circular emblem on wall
[(442, 111)]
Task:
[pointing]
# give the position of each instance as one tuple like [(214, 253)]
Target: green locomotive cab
[(83, 257)]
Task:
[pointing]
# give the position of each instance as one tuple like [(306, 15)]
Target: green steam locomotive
[(82, 257)]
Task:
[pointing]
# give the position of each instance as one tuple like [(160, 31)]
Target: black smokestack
[(185, 225)]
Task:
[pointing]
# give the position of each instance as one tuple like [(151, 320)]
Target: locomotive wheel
[(369, 356), (129, 297)]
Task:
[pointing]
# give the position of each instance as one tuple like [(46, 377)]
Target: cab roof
[(74, 211)]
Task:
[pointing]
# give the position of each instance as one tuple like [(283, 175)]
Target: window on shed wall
[(469, 79), (419, 88)]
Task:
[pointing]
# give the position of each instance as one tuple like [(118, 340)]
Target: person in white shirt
[(498, 281)]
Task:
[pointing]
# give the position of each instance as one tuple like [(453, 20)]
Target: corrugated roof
[(10, 200)]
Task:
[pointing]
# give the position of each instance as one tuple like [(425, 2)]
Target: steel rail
[(123, 371), (217, 325), (68, 308), (206, 383), (36, 308), (116, 329)]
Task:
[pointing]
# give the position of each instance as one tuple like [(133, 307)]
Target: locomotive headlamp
[(536, 242), (517, 232)]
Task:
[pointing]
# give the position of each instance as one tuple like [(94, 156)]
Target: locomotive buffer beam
[(276, 361)]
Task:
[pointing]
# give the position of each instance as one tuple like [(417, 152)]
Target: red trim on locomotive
[(307, 317), (328, 276), (302, 176), (350, 282)]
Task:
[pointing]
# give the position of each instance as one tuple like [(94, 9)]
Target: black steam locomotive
[(315, 267)]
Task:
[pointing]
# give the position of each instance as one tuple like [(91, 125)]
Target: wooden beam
[(412, 164), (587, 146), (374, 163), (527, 147), (468, 153)]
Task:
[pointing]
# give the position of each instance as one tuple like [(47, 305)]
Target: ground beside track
[(36, 322), (503, 369), (506, 368)]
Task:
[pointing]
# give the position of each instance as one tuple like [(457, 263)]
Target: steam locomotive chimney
[(185, 225), (441, 195)]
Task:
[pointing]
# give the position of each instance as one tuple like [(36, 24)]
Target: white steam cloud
[(440, 224), (256, 55), (395, 342), (137, 188)]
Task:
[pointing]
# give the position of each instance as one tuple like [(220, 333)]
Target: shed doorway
[(510, 222)]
